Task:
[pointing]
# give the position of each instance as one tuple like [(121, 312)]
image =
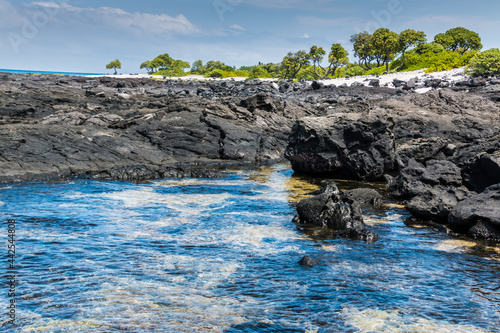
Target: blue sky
[(84, 35)]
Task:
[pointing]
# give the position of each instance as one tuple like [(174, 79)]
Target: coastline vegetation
[(379, 53)]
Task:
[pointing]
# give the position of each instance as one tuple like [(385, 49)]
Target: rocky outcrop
[(136, 129), (479, 216), (431, 191), (438, 149), (366, 142), (52, 127), (330, 210), (344, 145)]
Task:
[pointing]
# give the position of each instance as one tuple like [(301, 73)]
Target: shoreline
[(386, 80)]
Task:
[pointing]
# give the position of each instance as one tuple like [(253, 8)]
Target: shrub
[(353, 70), (485, 63), (172, 72), (216, 73), (429, 48), (306, 73), (434, 62), (376, 71)]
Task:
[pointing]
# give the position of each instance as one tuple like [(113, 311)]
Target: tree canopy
[(292, 63), (459, 39), (386, 45), (166, 65), (410, 38), (115, 64), (363, 49)]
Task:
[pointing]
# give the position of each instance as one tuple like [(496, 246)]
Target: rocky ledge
[(438, 151), (136, 129)]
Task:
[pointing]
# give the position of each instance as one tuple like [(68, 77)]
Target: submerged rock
[(308, 261), (364, 196)]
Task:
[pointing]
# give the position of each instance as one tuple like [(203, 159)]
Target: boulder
[(317, 85), (350, 146), (398, 83), (308, 261), (479, 215), (431, 191), (482, 172), (328, 210)]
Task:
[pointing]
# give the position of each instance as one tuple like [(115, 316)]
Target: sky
[(85, 35)]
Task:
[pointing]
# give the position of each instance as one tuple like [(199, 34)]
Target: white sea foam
[(374, 320)]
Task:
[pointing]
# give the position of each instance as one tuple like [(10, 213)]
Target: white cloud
[(237, 27), (305, 36), (121, 19)]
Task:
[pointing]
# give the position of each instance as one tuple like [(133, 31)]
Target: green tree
[(162, 62), (316, 54), (198, 68), (408, 39), (337, 58), (148, 66), (386, 45), (211, 65), (445, 40), (180, 64), (459, 39), (485, 63), (292, 63), (363, 49), (116, 64), (258, 72)]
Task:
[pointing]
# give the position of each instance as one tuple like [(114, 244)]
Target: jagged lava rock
[(479, 215)]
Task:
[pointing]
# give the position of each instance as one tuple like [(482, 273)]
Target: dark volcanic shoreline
[(137, 129), (439, 151)]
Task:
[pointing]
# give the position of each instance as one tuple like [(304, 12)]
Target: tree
[(485, 63), (386, 45), (459, 39), (292, 63), (180, 64), (198, 68), (337, 58), (445, 40), (162, 62), (316, 54), (363, 49), (147, 65), (407, 39), (116, 64)]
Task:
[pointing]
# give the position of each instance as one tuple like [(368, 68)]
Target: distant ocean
[(15, 71)]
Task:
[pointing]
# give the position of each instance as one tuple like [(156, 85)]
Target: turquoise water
[(16, 71), (198, 255)]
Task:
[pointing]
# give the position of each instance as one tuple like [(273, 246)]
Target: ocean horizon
[(18, 71)]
